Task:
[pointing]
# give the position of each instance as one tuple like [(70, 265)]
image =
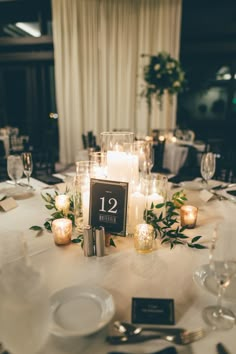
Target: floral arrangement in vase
[(163, 73)]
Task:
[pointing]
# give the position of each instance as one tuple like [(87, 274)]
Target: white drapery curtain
[(98, 65)]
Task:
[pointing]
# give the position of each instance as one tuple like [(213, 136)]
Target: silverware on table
[(179, 338), (218, 196), (129, 329), (223, 186), (168, 350)]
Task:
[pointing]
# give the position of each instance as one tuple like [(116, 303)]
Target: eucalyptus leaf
[(36, 228), (196, 238), (197, 245), (112, 242), (76, 240)]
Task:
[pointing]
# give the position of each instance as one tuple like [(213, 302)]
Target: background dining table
[(163, 273), (176, 154)]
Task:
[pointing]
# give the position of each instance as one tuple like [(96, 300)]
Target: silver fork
[(183, 338)]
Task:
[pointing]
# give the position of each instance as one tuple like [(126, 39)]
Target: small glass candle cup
[(62, 203), (143, 238), (62, 231), (188, 216)]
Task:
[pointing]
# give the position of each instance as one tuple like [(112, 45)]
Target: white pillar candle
[(62, 203), (136, 209), (122, 166), (154, 198), (62, 231), (85, 206)]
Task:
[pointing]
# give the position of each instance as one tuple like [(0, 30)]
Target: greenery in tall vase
[(162, 74)]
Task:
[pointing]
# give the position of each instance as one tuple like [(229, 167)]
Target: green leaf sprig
[(50, 205), (165, 226)]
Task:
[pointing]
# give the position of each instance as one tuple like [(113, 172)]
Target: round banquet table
[(163, 273)]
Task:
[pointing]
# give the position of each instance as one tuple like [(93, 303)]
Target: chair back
[(185, 135)]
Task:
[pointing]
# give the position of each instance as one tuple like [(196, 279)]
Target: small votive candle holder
[(62, 231), (62, 203), (143, 238), (188, 216)]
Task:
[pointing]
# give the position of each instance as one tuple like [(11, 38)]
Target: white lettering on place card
[(8, 204)]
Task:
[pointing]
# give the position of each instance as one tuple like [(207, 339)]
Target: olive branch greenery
[(165, 224), (57, 214)]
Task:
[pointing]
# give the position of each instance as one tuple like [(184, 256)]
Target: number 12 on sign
[(108, 205)]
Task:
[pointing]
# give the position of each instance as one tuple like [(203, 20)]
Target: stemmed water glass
[(14, 168), (222, 262), (144, 151), (28, 165), (208, 166)]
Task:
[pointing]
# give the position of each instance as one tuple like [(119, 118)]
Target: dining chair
[(158, 157), (3, 162), (185, 135)]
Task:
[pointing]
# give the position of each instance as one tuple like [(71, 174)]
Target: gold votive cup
[(143, 238), (62, 203), (188, 216), (62, 231)]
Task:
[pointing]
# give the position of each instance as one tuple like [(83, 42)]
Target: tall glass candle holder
[(156, 187), (122, 164), (84, 171), (100, 158), (143, 149), (114, 141)]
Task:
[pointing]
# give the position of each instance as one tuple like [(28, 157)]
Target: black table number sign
[(108, 205)]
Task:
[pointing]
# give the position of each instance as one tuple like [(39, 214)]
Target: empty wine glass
[(208, 166), (28, 165), (222, 261), (144, 151), (14, 168)]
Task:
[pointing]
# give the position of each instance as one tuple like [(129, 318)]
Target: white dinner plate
[(204, 277), (81, 310)]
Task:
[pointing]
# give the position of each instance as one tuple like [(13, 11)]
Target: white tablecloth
[(164, 273), (175, 154)]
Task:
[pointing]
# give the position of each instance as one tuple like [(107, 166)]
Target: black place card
[(153, 311), (108, 205)]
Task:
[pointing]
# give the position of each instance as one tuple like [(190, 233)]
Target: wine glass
[(14, 168), (144, 151), (208, 166), (222, 262), (28, 165)]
